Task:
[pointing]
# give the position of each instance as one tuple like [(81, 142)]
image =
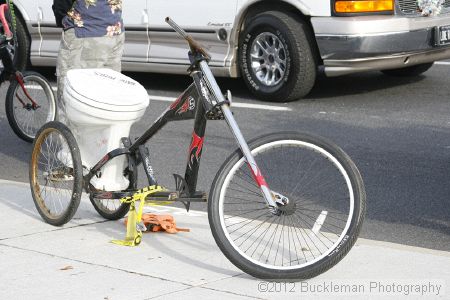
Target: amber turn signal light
[(364, 6)]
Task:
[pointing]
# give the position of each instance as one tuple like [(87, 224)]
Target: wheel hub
[(284, 205), (268, 59), (60, 174)]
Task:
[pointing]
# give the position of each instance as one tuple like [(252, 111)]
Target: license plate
[(443, 35)]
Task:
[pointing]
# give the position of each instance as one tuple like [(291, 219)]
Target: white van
[(276, 46)]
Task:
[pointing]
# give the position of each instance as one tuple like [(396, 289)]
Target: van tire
[(289, 58)]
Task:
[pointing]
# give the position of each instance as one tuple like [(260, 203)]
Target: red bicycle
[(30, 101)]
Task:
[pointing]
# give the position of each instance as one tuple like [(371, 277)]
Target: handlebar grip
[(177, 28), (194, 45)]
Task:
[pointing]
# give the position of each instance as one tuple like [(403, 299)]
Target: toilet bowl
[(100, 107)]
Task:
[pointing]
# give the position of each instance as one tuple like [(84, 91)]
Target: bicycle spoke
[(245, 213)]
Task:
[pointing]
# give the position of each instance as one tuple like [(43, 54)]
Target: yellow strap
[(134, 235), (143, 193)]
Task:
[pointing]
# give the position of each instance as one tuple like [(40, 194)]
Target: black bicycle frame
[(202, 100), (189, 105)]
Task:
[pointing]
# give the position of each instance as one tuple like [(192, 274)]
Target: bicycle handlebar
[(8, 34), (194, 45)]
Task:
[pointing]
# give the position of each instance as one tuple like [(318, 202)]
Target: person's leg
[(115, 56), (103, 52), (69, 57)]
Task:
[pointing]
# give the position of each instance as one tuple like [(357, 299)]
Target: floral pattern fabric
[(95, 18)]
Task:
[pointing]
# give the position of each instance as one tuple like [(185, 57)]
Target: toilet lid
[(106, 89)]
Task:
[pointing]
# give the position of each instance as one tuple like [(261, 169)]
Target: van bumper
[(355, 44)]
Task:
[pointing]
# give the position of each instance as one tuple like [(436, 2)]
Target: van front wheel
[(276, 57)]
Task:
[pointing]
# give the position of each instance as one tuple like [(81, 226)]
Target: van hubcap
[(268, 59)]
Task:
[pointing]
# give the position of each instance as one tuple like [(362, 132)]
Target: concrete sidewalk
[(77, 261)]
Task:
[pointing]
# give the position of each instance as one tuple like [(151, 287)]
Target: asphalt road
[(397, 131)]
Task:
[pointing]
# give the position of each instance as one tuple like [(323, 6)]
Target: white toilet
[(100, 106)]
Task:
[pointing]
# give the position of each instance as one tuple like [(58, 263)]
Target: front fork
[(228, 115), (19, 77), (9, 67), (257, 175)]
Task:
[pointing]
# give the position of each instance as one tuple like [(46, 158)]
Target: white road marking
[(234, 104), (319, 222), (254, 106)]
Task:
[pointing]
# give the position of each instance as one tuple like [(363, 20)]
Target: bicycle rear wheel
[(56, 176), (24, 117), (114, 209), (319, 224)]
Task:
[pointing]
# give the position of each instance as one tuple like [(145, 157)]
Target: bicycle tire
[(114, 209), (25, 120), (310, 198), (56, 176)]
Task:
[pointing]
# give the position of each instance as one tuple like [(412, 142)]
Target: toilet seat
[(105, 89)]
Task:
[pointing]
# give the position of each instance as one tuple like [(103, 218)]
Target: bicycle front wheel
[(30, 106), (315, 228), (56, 175)]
